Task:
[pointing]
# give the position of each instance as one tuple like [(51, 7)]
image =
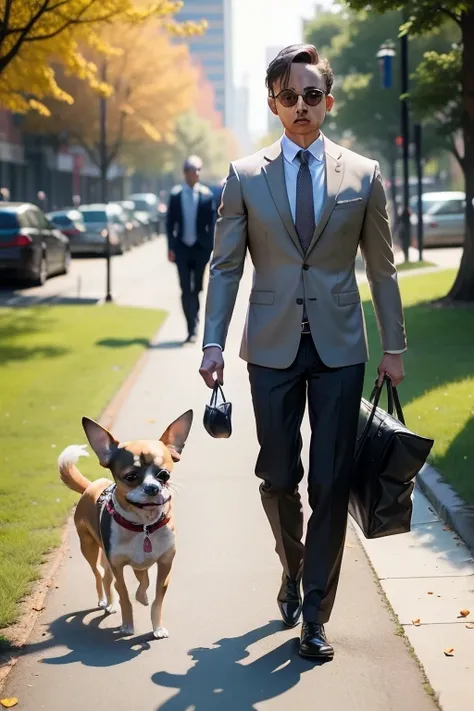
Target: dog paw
[(160, 633), (126, 629), (142, 597), (103, 604)]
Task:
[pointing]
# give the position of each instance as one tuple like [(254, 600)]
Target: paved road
[(227, 650), (86, 279)]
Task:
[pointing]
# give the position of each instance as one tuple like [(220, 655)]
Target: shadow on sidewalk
[(125, 343), (89, 644), (219, 681)]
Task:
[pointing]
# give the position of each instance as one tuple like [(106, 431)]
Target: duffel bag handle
[(393, 402)]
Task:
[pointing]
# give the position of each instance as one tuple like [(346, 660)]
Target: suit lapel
[(275, 176), (334, 176)]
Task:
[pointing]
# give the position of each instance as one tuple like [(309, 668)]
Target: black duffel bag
[(388, 458)]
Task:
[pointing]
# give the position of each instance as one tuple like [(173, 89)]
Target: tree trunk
[(463, 287)]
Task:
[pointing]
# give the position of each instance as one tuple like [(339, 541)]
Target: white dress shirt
[(189, 205), (317, 167)]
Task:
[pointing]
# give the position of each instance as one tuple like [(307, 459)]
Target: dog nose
[(151, 489)]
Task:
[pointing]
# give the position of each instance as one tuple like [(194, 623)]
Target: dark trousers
[(191, 263), (279, 400)]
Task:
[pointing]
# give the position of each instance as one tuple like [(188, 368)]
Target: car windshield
[(8, 221), (94, 216), (60, 219), (142, 205)]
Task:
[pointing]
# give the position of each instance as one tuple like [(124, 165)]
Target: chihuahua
[(127, 521)]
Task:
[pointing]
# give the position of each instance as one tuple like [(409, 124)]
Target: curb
[(447, 503), (39, 593)]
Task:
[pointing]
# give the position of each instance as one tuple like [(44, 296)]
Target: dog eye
[(131, 477), (163, 475)]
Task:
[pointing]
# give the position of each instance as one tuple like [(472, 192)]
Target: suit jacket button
[(300, 302), (306, 267)]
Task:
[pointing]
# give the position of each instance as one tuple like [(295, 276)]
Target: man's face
[(302, 119), (191, 176)]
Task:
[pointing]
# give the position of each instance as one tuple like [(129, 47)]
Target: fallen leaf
[(449, 652), (464, 613), (430, 593), (151, 420), (38, 608), (8, 703), (416, 622), (470, 625)]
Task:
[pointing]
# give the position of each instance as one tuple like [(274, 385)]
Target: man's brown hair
[(279, 69)]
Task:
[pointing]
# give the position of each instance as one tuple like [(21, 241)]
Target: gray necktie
[(304, 221)]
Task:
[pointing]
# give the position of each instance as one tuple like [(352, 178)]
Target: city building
[(213, 50), (241, 117)]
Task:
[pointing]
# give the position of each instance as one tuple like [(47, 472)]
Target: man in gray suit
[(302, 207)]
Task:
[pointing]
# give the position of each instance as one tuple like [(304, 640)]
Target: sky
[(256, 25)]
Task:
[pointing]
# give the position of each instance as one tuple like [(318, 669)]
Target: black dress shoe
[(314, 644), (289, 601)]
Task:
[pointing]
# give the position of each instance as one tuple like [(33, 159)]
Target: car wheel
[(42, 273)]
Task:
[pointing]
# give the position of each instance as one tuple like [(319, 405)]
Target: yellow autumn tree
[(152, 83), (38, 35), (193, 134)]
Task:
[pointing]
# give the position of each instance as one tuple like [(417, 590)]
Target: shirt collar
[(290, 149), (189, 188)]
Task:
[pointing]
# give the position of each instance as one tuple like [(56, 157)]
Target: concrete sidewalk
[(227, 649)]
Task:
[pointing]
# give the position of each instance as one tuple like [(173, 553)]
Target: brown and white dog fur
[(140, 470)]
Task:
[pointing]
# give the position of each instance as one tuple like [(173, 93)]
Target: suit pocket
[(346, 298), (352, 202), (262, 297)]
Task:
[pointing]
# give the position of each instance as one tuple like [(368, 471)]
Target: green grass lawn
[(438, 391), (57, 364), (408, 266)]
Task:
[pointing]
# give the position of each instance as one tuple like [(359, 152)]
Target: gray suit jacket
[(255, 215)]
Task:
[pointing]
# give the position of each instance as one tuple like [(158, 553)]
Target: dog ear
[(100, 439), (175, 436)]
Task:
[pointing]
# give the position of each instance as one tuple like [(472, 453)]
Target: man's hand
[(171, 256), (212, 363), (391, 365)]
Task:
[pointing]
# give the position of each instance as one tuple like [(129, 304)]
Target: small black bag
[(218, 418), (388, 458)]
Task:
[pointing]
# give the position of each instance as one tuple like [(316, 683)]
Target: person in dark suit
[(190, 229)]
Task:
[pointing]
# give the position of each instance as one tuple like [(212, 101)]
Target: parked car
[(101, 221), (138, 232), (31, 248), (443, 218), (148, 203), (71, 223)]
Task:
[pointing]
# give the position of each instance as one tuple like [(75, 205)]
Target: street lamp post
[(103, 175), (405, 131), (417, 135), (385, 57)]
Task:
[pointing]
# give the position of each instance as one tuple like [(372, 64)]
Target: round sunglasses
[(289, 98)]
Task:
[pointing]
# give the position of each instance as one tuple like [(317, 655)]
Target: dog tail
[(69, 473)]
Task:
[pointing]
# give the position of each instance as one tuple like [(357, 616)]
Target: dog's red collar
[(137, 527)]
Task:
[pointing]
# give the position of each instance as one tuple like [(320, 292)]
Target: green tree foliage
[(364, 109), (422, 17)]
